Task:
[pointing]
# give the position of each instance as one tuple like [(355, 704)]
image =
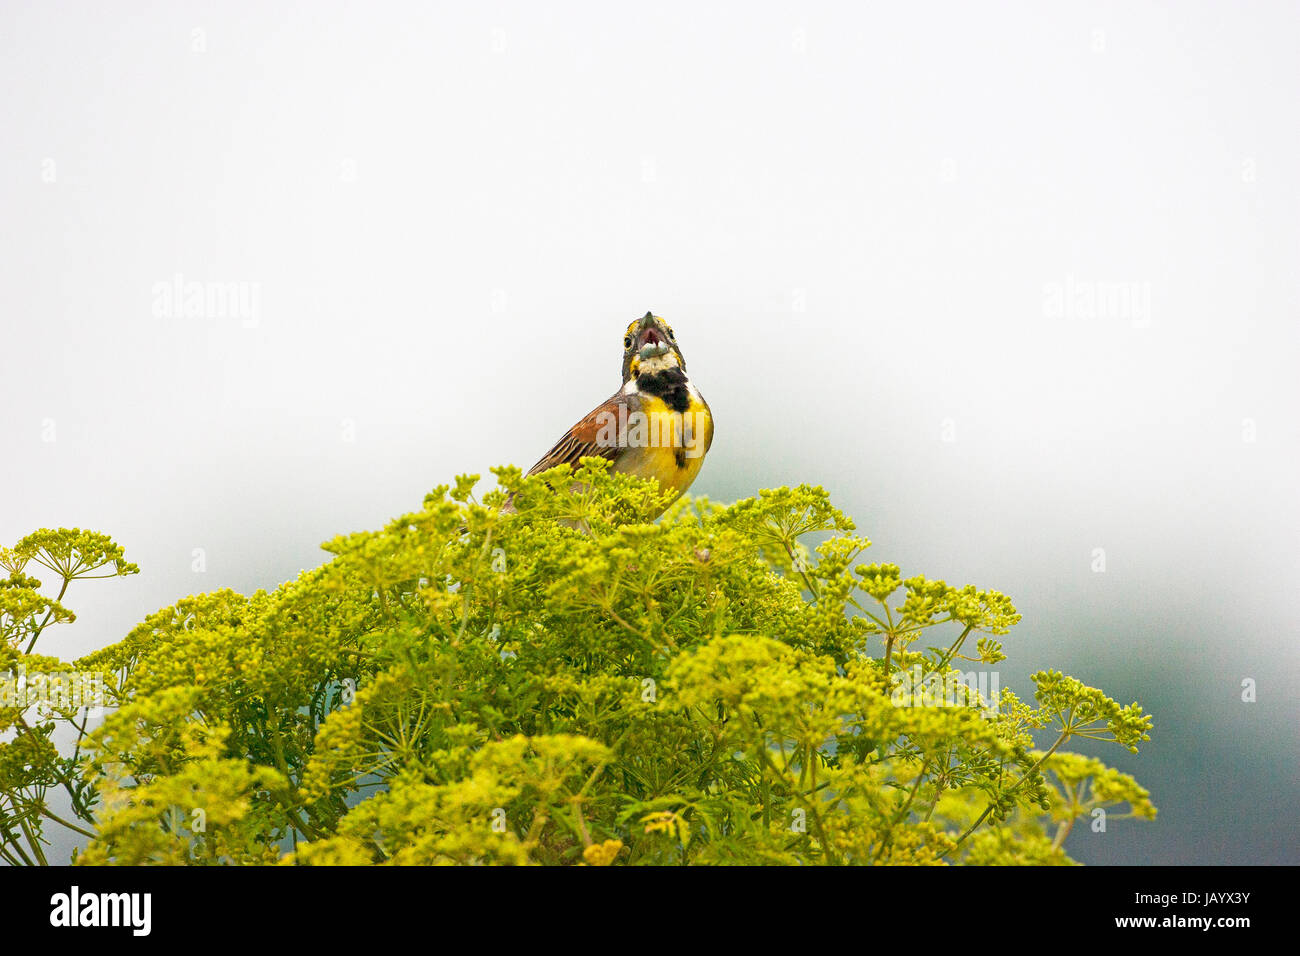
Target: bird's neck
[(669, 384)]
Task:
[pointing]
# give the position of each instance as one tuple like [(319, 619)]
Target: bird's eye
[(627, 341), (671, 336)]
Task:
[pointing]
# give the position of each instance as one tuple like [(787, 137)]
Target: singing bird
[(657, 425)]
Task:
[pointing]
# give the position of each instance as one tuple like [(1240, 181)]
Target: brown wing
[(581, 441)]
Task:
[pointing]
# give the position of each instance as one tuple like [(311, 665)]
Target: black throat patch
[(670, 385)]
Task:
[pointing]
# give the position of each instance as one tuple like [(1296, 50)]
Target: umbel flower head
[(568, 682)]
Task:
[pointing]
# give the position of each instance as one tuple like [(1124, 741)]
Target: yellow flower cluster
[(471, 686)]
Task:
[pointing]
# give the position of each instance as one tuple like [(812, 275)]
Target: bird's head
[(649, 346)]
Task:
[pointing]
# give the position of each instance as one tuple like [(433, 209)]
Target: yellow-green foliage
[(568, 684)]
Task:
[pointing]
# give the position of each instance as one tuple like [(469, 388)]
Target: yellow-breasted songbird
[(656, 426)]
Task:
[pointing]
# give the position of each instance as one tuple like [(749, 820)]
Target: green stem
[(811, 584), (48, 614), (34, 841), (67, 823), (1065, 734), (956, 646)]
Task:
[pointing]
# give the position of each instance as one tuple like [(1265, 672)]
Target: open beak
[(649, 340)]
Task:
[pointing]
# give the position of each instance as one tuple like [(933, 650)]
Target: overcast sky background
[(875, 229)]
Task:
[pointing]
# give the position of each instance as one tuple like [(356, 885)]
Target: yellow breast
[(666, 445)]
